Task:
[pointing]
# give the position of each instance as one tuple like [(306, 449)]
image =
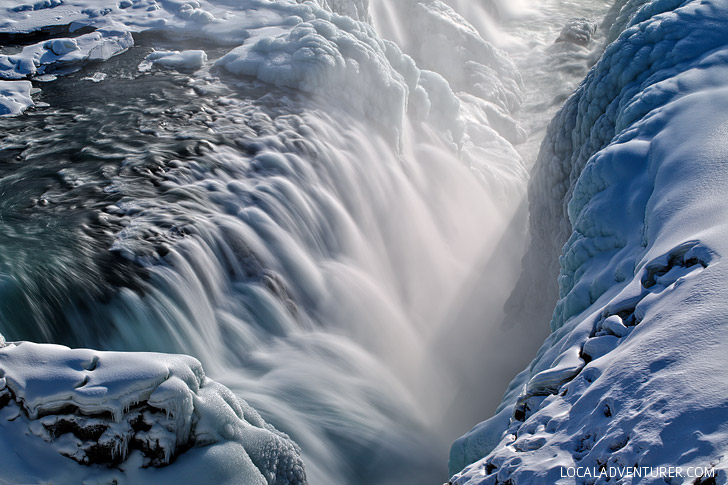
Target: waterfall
[(334, 239)]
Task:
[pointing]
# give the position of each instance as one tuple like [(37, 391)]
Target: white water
[(374, 249), (347, 285)]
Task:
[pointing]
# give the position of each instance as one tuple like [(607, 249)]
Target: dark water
[(68, 169)]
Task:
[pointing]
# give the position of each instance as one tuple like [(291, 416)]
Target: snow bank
[(633, 168), (130, 415)]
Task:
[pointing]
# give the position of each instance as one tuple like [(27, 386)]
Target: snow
[(64, 54), (343, 60), (328, 49), (15, 97), (123, 411), (578, 31), (190, 60), (631, 178)]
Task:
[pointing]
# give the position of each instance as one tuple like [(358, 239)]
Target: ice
[(356, 9), (578, 31), (629, 181), (439, 39), (121, 410), (328, 49), (186, 60), (96, 78), (15, 97), (64, 54), (480, 440), (346, 61)]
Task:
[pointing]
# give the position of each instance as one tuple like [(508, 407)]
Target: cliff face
[(631, 175)]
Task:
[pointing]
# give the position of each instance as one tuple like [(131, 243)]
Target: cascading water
[(339, 262)]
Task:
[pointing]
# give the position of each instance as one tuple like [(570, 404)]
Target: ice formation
[(63, 53), (578, 31), (15, 97), (185, 60), (124, 417), (630, 181)]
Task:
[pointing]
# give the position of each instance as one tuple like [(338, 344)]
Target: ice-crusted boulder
[(116, 417), (189, 60), (631, 178), (15, 97), (64, 53), (577, 31)]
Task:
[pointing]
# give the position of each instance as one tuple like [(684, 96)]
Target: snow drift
[(631, 181)]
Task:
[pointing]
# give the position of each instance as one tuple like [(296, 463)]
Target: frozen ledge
[(123, 417)]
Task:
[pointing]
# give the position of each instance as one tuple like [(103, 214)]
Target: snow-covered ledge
[(633, 374), (82, 416)]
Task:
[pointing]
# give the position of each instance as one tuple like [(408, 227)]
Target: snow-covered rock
[(578, 31), (186, 60), (331, 56), (631, 178), (64, 54), (123, 417), (15, 97)]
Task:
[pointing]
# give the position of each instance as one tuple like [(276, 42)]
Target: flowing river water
[(345, 282)]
